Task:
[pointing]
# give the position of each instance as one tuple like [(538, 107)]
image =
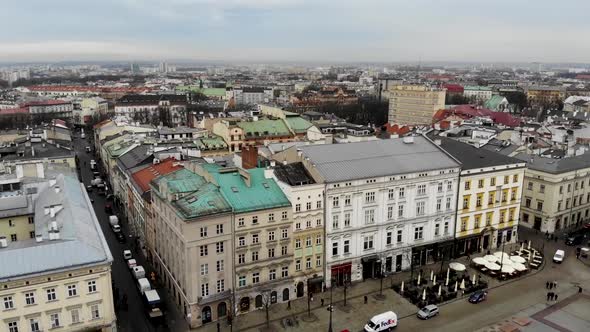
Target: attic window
[(234, 189), (265, 185), (192, 199), (211, 203)]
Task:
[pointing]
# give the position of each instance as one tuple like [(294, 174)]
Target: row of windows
[(9, 302), (254, 219), (308, 241), (255, 279), (481, 182), (491, 198), (308, 263), (220, 287), (578, 200), (477, 219), (400, 193), (392, 178), (204, 249), (55, 320), (220, 266), (255, 254), (308, 224), (256, 237), (218, 230), (308, 206)]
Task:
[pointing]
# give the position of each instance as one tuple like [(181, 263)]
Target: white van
[(382, 322), (138, 272), (559, 256), (143, 285)]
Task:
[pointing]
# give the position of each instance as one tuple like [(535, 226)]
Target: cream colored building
[(414, 104), (192, 248), (61, 278), (307, 198), (490, 189), (556, 192)]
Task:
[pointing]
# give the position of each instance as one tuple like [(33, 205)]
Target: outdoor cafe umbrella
[(457, 266), (480, 261), (490, 258), (434, 280), (518, 267), (402, 287), (518, 259), (431, 275), (419, 277), (501, 254), (492, 266), (462, 284), (447, 281), (456, 283), (507, 269), (424, 295), (439, 290)]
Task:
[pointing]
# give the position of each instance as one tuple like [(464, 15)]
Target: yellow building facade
[(414, 104)]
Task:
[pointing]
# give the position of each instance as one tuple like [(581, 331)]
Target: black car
[(574, 240), (89, 189), (120, 237), (478, 296), (110, 197)]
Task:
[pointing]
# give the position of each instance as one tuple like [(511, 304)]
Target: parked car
[(120, 237), (89, 189), (428, 311), (127, 254), (108, 208), (382, 322), (575, 239), (478, 296), (559, 256), (131, 263), (88, 149), (116, 228)]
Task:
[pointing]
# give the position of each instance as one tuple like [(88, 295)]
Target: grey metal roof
[(342, 162), (555, 166), (81, 240), (135, 156), (472, 157)]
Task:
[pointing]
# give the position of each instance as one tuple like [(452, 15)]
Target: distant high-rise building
[(163, 67), (135, 68), (414, 104)]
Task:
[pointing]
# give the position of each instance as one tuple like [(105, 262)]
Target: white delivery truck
[(152, 304), (138, 272), (382, 322), (113, 220), (92, 164), (143, 285)]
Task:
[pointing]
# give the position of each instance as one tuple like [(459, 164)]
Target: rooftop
[(264, 127), (293, 174), (361, 160), (555, 166), (81, 241), (205, 201), (180, 181), (144, 176), (260, 194), (472, 158)]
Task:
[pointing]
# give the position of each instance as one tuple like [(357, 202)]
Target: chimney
[(57, 189), (437, 142), (38, 238), (249, 157), (54, 235), (408, 139), (268, 173), (3, 242)]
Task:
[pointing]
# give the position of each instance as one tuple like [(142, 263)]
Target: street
[(134, 317)]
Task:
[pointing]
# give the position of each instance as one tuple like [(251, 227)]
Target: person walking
[(322, 302)]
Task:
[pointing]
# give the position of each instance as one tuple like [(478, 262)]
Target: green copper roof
[(181, 181), (298, 124), (264, 127), (206, 200), (262, 193), (493, 102), (210, 143)]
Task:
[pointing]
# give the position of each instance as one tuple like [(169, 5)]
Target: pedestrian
[(555, 297), (548, 295), (322, 302), (547, 285), (289, 305), (546, 234), (555, 284), (366, 299), (218, 327)]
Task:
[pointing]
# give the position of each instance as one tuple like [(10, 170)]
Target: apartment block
[(414, 104)]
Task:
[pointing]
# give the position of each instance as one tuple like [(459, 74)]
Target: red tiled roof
[(583, 77), (397, 129), (46, 103), (468, 111), (22, 110), (456, 88), (82, 88), (145, 176)]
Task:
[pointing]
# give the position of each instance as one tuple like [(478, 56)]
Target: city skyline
[(273, 30)]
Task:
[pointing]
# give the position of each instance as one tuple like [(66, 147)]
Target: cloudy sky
[(296, 30)]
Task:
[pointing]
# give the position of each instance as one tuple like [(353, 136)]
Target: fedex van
[(382, 322)]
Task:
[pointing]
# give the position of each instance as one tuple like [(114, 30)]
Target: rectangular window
[(272, 274), (334, 248), (400, 211), (440, 187), (220, 265), (335, 202), (34, 323), (449, 185), (308, 241), (506, 179), (335, 221), (204, 269), (513, 194), (254, 220), (318, 204), (285, 271), (464, 224), (254, 256), (399, 236), (92, 286), (390, 212), (515, 178), (530, 186), (241, 222), (94, 311), (480, 183), (242, 281), (477, 221), (241, 241), (446, 227), (284, 233), (467, 185), (72, 290), (561, 189), (448, 203), (420, 208), (54, 319), (220, 285), (418, 233), (493, 181), (347, 219), (539, 206), (308, 224), (203, 231), (318, 261), (421, 189), (502, 216), (346, 246), (391, 194), (369, 217), (219, 229), (255, 277), (389, 238), (402, 192), (478, 200), (347, 200), (8, 303), (438, 205), (542, 188), (254, 238), (205, 289), (30, 298), (284, 250), (465, 202), (284, 215), (370, 197), (51, 295), (368, 242), (308, 263), (204, 250), (241, 258), (297, 207), (219, 247), (13, 326), (308, 206), (271, 235)]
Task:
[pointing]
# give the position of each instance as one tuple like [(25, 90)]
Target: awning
[(315, 281), (370, 258)]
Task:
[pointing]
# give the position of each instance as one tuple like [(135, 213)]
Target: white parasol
[(490, 258), (507, 269), (518, 267), (517, 259), (457, 266), (479, 261), (492, 266)]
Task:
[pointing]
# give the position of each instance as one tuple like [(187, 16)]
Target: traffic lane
[(134, 318)]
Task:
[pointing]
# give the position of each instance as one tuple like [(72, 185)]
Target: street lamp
[(331, 306)]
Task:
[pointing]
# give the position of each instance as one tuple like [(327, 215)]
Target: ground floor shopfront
[(488, 239), (266, 295)]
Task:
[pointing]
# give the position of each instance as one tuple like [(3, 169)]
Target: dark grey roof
[(500, 147), (472, 157), (136, 156), (361, 160), (41, 150), (555, 166), (293, 174)]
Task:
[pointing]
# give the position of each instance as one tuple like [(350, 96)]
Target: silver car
[(428, 311)]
